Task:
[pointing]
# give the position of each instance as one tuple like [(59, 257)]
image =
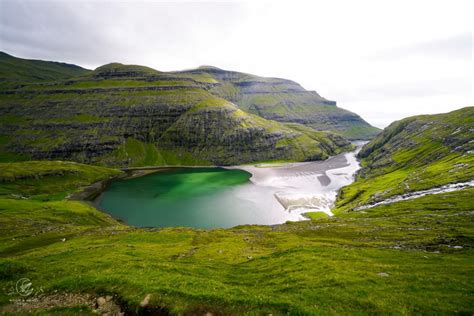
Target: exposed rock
[(145, 301), (100, 305)]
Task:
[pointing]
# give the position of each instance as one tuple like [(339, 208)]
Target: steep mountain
[(285, 101), (413, 154), (16, 70), (128, 115)]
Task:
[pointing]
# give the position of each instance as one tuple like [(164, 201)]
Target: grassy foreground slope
[(404, 258), (128, 115), (416, 153)]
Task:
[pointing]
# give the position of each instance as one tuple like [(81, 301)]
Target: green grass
[(119, 69), (14, 69), (135, 153), (331, 265), (316, 215), (414, 154), (398, 258), (213, 103), (48, 180), (360, 132), (103, 84)]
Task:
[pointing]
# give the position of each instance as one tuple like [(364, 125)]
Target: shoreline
[(287, 179), (91, 192)]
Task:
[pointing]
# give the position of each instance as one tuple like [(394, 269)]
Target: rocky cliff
[(286, 101)]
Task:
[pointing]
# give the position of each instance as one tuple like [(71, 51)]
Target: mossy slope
[(48, 180), (416, 153), (16, 70)]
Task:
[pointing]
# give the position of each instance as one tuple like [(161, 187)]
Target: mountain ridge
[(34, 69), (130, 115), (117, 114)]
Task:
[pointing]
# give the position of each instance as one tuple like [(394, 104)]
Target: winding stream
[(413, 195)]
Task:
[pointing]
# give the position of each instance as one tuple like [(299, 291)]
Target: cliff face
[(286, 101), (135, 116)]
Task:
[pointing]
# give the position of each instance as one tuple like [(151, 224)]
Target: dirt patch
[(102, 305)]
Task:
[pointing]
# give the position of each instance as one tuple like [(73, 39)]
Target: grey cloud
[(459, 47), (411, 89), (94, 33)]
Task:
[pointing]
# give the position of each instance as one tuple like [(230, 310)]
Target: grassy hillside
[(48, 180), (128, 115), (412, 257), (413, 154), (16, 70)]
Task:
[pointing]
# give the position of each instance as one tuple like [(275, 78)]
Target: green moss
[(48, 180), (203, 77), (414, 154), (135, 153), (12, 119), (359, 132), (118, 69), (124, 83), (213, 103), (316, 215), (14, 69)]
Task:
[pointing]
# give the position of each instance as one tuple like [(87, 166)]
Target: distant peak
[(207, 67), (110, 65), (121, 70)]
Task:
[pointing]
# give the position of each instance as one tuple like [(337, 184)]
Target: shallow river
[(218, 197)]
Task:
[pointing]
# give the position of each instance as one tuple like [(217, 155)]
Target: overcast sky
[(381, 59)]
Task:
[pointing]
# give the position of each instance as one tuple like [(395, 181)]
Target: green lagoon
[(222, 198), (192, 197)]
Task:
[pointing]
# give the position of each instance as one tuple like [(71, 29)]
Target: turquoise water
[(192, 197)]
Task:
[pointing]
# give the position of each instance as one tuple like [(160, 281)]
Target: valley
[(388, 222)]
